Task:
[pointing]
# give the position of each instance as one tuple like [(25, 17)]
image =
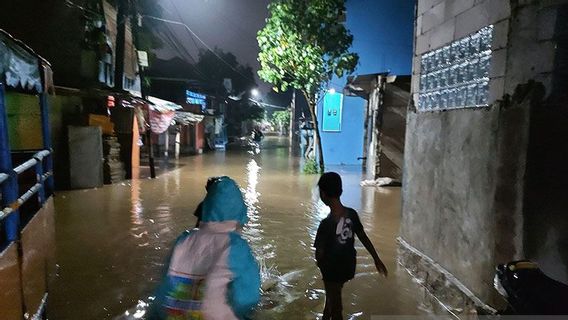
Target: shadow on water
[(112, 241)]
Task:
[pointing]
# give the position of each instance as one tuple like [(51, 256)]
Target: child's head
[(211, 181), (224, 202), (330, 187)]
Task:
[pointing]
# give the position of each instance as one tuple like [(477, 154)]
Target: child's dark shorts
[(339, 271)]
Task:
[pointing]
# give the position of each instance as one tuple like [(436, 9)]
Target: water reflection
[(137, 209)]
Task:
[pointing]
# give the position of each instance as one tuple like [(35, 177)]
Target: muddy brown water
[(112, 241)]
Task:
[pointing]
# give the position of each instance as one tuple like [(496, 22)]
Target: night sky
[(228, 24), (382, 30)]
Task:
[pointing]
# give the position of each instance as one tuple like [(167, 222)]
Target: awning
[(362, 85), (163, 106), (161, 121), (162, 113), (21, 67), (187, 118)]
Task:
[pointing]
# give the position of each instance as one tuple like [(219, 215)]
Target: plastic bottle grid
[(457, 75)]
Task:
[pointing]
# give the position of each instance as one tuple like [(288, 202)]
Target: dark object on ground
[(529, 291), (113, 167)]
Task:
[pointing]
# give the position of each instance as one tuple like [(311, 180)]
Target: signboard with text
[(196, 98), (332, 112)]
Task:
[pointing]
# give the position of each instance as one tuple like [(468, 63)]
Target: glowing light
[(254, 92), (331, 90)]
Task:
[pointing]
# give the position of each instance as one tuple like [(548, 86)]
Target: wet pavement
[(112, 241)]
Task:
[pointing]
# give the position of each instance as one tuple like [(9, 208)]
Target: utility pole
[(121, 18), (295, 129), (137, 30)]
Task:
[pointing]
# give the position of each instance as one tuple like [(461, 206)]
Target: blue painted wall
[(382, 36), (344, 147)]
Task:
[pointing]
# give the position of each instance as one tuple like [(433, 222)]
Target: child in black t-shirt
[(335, 251)]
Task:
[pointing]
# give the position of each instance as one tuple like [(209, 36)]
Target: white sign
[(143, 59)]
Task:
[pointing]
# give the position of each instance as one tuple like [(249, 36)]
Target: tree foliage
[(303, 45), (214, 70), (215, 66), (281, 118)]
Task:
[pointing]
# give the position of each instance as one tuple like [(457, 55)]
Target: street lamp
[(254, 92)]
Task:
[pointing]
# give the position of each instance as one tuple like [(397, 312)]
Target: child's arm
[(319, 245), (369, 246)]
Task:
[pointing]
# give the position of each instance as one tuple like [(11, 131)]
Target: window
[(106, 71), (457, 75)]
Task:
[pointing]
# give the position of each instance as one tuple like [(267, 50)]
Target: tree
[(303, 45), (281, 119), (217, 65)]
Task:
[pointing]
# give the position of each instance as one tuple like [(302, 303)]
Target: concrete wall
[(344, 147), (464, 201), (24, 126)]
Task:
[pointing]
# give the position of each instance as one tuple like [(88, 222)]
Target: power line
[(170, 38), (72, 4), (264, 104), (203, 42), (209, 48), (190, 35)]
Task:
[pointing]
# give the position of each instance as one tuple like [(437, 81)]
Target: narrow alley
[(199, 159)]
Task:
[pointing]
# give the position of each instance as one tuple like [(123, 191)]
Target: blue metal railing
[(10, 199), (9, 187), (39, 188), (3, 177)]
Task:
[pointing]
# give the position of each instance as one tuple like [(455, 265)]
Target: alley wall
[(464, 200)]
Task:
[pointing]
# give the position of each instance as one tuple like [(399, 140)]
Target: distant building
[(78, 37), (382, 37), (386, 100)]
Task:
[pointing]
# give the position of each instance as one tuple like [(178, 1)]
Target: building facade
[(485, 165), (78, 37), (382, 37)]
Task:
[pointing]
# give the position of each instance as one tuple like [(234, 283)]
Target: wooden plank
[(33, 239), (49, 247), (10, 284)]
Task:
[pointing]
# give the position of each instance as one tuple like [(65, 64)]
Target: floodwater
[(112, 241)]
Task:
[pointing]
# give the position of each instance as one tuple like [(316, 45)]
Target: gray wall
[(448, 191), (464, 203)]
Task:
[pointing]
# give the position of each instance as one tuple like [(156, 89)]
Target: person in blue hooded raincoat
[(212, 273)]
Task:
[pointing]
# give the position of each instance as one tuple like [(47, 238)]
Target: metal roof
[(21, 67), (163, 106), (186, 118)]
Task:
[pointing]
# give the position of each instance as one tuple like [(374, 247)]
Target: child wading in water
[(335, 251)]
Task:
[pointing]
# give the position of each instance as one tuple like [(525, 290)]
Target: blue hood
[(224, 202)]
